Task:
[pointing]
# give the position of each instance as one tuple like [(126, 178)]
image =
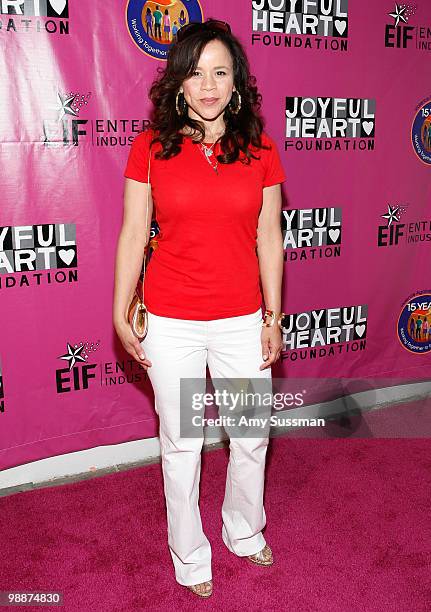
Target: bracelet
[(271, 313)]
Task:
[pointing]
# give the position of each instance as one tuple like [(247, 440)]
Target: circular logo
[(414, 324), (153, 25), (421, 133)]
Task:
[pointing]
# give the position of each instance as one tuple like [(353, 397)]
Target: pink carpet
[(348, 520)]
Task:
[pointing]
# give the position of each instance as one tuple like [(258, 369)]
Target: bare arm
[(270, 247), (270, 255), (132, 240)]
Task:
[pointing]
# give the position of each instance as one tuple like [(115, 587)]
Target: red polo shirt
[(205, 265)]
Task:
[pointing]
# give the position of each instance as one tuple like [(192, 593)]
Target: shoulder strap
[(147, 240)]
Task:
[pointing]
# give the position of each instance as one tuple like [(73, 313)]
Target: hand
[(131, 343), (272, 344)]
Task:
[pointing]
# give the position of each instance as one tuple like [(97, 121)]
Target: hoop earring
[(183, 103), (235, 110)]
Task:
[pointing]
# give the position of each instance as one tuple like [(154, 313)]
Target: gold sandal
[(263, 557), (196, 591)]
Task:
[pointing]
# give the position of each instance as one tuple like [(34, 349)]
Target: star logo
[(64, 105), (398, 14), (392, 214), (70, 103), (73, 355), (402, 12)]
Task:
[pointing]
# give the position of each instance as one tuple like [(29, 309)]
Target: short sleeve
[(137, 162), (273, 168)]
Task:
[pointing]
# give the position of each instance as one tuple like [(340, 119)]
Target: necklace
[(208, 154)]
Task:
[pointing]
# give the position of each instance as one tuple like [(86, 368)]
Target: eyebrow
[(215, 68)]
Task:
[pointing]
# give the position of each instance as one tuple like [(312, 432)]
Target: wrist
[(119, 321), (272, 317)]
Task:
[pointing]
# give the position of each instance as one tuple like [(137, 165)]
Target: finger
[(267, 363), (273, 356), (140, 355), (265, 350)]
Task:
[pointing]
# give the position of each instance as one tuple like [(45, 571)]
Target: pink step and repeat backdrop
[(347, 96)]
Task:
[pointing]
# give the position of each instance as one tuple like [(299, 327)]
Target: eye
[(197, 72)]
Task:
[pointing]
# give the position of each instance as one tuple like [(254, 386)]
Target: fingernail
[(141, 356), (265, 357)]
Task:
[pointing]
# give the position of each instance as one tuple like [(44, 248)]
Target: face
[(212, 80)]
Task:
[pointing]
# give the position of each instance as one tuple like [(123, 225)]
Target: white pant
[(181, 348)]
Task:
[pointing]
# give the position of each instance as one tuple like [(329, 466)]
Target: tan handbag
[(137, 313)]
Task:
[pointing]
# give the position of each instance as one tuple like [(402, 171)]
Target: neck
[(212, 132)]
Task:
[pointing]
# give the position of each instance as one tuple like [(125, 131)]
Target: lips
[(209, 100)]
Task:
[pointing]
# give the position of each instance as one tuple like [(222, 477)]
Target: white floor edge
[(109, 456)]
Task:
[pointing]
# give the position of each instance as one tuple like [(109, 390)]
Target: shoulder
[(143, 139), (267, 139), (146, 134)]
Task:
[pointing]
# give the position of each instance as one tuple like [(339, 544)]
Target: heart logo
[(58, 5), (340, 25), (360, 329), (67, 255), (368, 126), (334, 234)]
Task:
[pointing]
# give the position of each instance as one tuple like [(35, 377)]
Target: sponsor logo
[(324, 332), (153, 25), (308, 24), (81, 375), (311, 233), (23, 16), (325, 124), (400, 34), (402, 231), (421, 131), (414, 323)]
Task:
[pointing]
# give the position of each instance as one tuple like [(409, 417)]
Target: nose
[(208, 83)]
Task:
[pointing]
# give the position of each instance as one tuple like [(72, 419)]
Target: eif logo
[(399, 34), (81, 375), (395, 232), (56, 12), (76, 378), (391, 233), (68, 126)]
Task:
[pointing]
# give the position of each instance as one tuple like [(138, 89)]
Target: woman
[(167, 25), (182, 18), (217, 198)]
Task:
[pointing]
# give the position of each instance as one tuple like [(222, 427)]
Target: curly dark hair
[(242, 129)]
